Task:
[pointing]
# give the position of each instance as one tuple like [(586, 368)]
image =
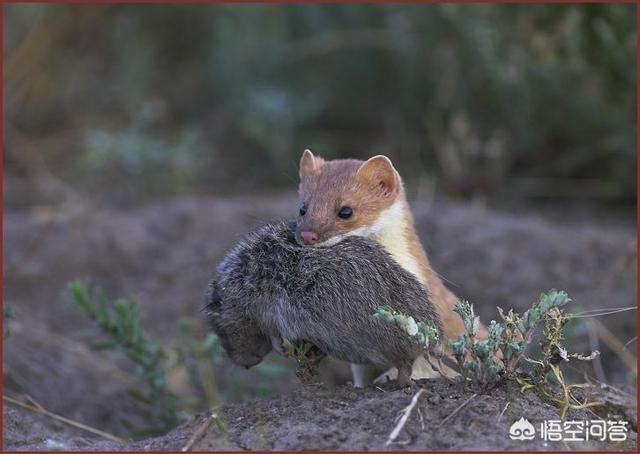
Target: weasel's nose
[(309, 238)]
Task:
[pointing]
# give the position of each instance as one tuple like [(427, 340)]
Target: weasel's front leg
[(363, 374)]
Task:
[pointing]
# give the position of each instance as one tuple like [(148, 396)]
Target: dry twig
[(617, 347), (406, 412), (460, 407), (630, 341), (37, 408), (200, 432), (502, 412)]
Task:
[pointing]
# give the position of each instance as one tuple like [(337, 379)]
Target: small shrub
[(499, 355), (119, 321), (308, 357), (501, 352)]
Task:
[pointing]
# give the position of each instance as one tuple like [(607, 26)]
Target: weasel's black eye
[(345, 212), (303, 209)]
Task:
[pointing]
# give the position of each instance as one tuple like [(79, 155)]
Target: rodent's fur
[(268, 287)]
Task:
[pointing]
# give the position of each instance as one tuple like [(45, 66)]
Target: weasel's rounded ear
[(380, 173), (309, 164)]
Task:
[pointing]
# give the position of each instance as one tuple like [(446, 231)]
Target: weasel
[(347, 197)]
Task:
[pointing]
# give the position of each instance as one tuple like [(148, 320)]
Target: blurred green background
[(129, 102)]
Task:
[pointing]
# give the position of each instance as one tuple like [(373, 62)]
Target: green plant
[(119, 321), (499, 354), (308, 357), (422, 333), (554, 354)]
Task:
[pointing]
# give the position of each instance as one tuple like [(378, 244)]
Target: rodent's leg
[(404, 374), (278, 345)]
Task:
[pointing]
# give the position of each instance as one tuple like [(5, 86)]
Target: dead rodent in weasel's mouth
[(270, 288)]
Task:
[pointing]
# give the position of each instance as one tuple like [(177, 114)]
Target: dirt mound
[(446, 417)]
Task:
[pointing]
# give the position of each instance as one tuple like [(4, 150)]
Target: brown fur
[(443, 299), (327, 186)]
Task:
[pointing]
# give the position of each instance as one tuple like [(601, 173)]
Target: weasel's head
[(344, 197)]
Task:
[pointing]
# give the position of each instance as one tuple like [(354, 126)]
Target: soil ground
[(446, 417), (162, 255)]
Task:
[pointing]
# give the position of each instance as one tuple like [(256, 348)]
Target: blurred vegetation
[(119, 321), (7, 313), (119, 329), (149, 100)]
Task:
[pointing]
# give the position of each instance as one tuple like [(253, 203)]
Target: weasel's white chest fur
[(390, 230)]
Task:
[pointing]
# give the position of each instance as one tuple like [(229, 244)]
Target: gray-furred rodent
[(269, 289)]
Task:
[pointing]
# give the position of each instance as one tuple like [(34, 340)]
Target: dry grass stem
[(460, 407), (502, 412), (200, 432), (406, 412), (37, 408)]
